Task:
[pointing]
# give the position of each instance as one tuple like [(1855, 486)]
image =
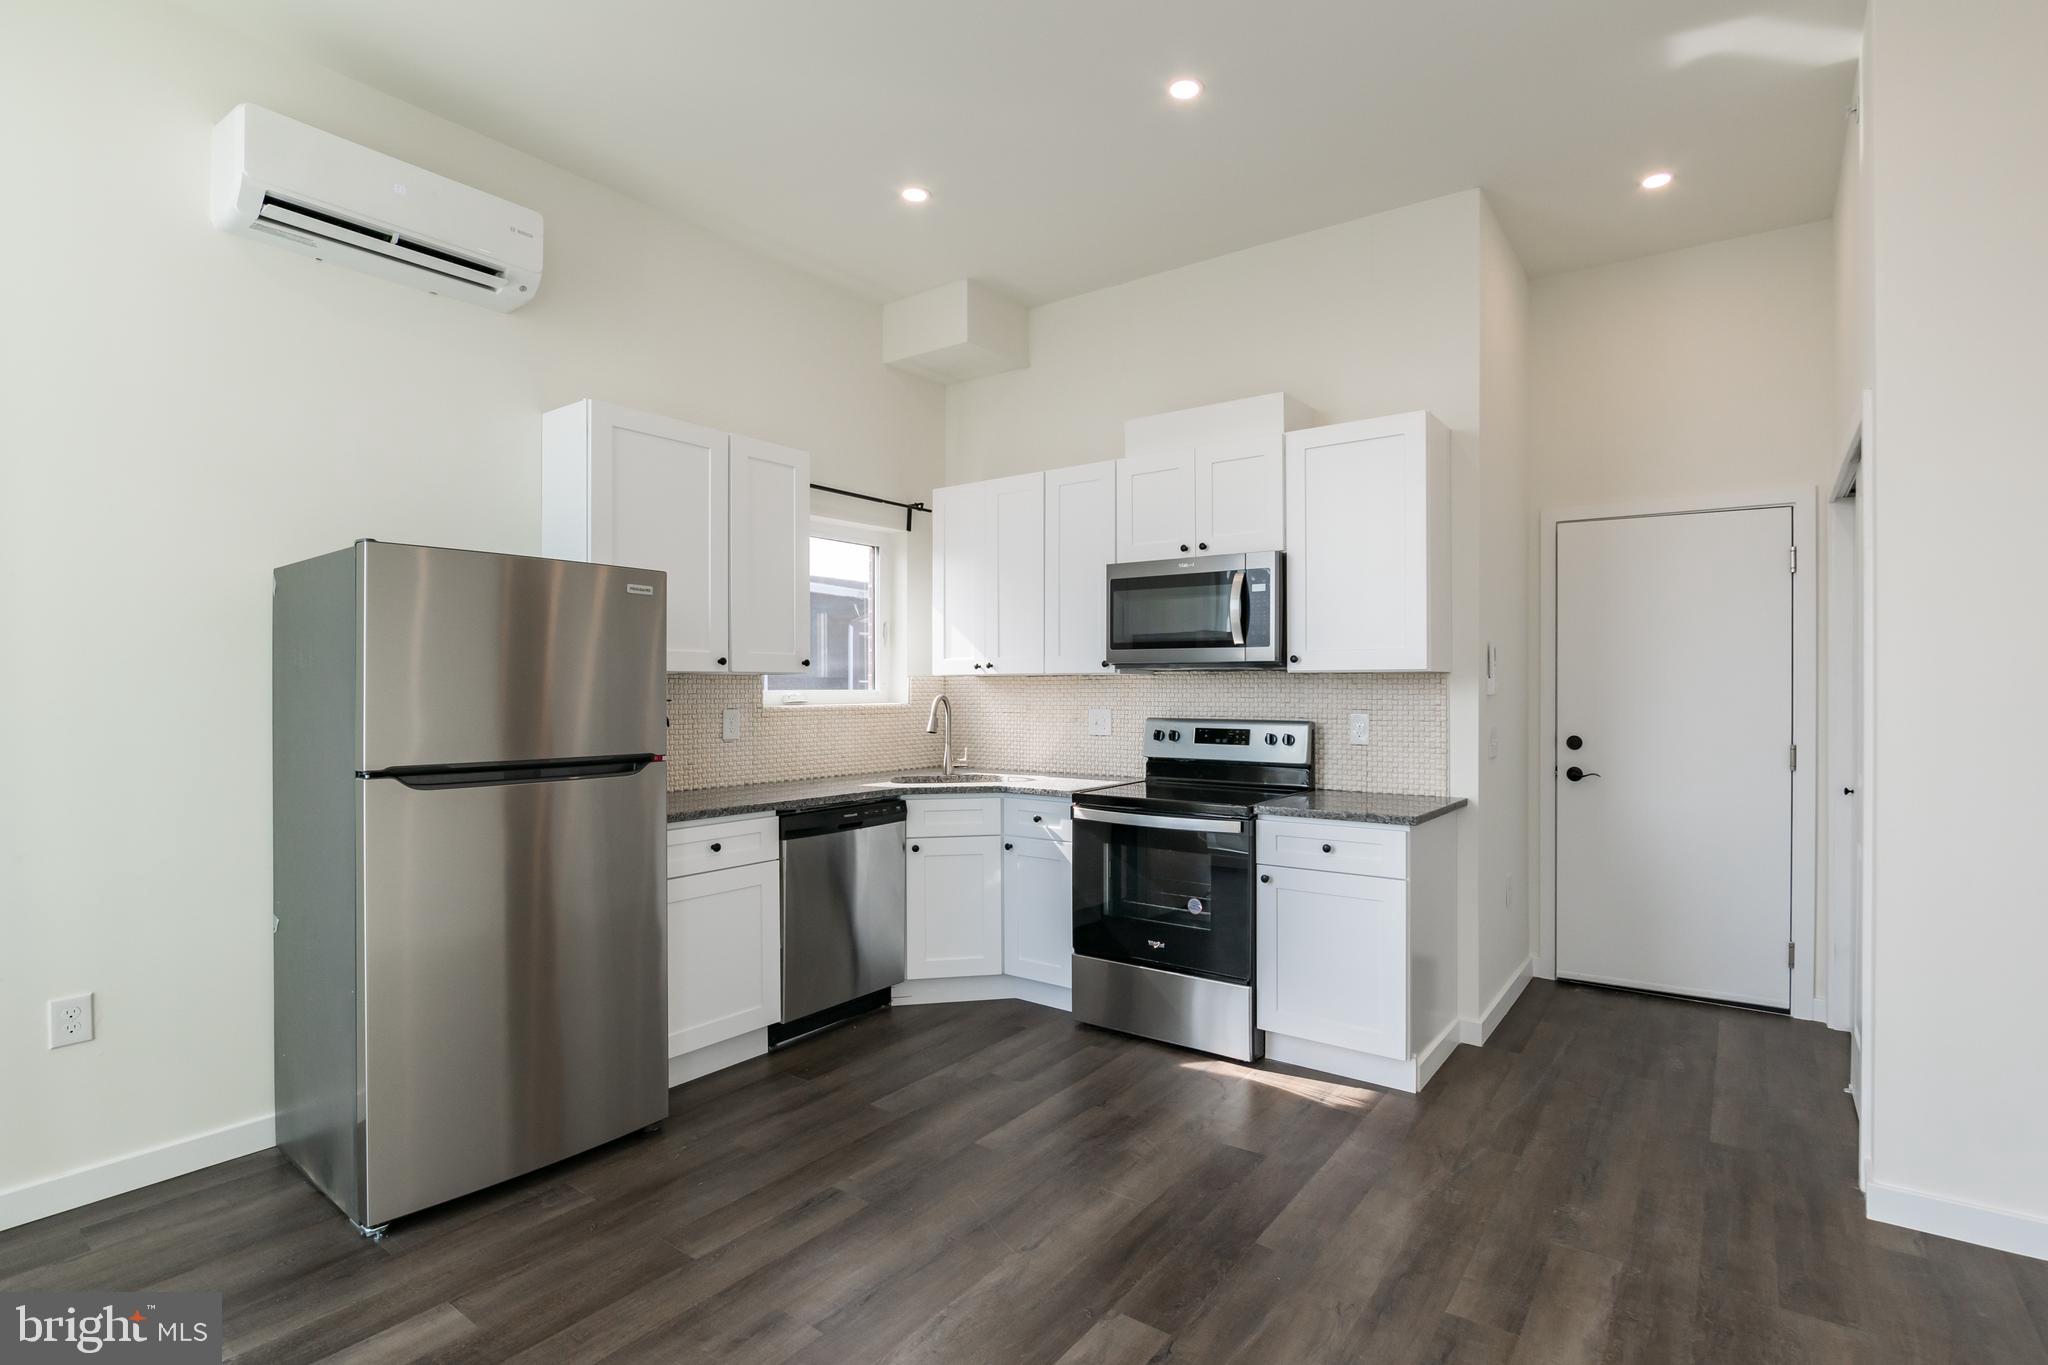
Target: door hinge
[(1792, 758), (1795, 558), (1791, 955)]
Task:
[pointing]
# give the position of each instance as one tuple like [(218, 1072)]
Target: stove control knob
[(1287, 739), (1159, 734), (1173, 735), (1272, 738)]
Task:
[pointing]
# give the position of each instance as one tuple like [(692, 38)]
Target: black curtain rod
[(909, 508)]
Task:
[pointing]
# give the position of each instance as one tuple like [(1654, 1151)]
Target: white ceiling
[(1058, 165)]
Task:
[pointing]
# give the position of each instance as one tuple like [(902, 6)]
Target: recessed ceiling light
[(915, 194), (1186, 88), (1656, 180)]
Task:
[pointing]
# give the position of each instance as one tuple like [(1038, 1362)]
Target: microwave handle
[(1237, 607)]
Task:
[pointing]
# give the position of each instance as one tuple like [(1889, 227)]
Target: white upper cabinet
[(770, 501), (1369, 546), (1205, 480), (623, 487), (1080, 545), (726, 517), (988, 577)]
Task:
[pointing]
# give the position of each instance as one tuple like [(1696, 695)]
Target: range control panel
[(1231, 741)]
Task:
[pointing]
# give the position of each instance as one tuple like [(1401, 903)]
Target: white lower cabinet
[(1333, 959), (1038, 909), (1357, 947), (954, 906), (724, 954)]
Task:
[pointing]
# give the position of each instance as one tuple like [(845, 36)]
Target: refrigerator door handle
[(500, 774)]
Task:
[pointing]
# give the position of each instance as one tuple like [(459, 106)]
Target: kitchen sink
[(924, 779)]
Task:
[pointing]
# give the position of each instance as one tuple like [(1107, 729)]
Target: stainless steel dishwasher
[(842, 913)]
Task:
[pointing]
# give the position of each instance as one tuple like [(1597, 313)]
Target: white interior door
[(1674, 810)]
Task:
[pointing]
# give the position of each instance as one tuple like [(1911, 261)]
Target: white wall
[(1505, 909), (1959, 928), (1380, 315), (188, 409), (1703, 373)]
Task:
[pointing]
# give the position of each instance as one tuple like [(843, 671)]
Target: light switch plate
[(732, 723), (1361, 728), (1098, 720)]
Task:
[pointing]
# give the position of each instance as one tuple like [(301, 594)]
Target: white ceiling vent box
[(327, 198), (961, 330)]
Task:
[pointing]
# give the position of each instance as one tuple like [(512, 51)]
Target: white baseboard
[(2023, 1234), (1437, 1053), (950, 990), (1477, 1031), (74, 1189), (717, 1057), (1389, 1073)]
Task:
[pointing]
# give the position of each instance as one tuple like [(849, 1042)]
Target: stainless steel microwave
[(1206, 611)]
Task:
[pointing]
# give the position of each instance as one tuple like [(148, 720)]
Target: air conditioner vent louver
[(328, 227)]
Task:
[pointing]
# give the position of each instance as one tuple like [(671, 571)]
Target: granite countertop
[(815, 793), (1372, 808)]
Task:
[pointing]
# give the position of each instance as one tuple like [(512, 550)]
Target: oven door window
[(1172, 611), (1177, 899)]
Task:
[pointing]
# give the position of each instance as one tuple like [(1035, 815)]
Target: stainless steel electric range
[(1164, 895)]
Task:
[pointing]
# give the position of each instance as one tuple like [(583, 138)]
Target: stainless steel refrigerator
[(470, 954)]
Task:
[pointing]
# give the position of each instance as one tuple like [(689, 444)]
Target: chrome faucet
[(942, 725)]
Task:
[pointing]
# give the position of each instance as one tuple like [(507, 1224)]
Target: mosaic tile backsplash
[(1041, 725)]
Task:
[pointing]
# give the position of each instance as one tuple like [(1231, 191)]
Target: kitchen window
[(854, 572)]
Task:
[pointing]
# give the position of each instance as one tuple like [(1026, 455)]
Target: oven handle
[(1237, 607), (1205, 824)]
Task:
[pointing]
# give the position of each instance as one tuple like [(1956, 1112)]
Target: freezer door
[(482, 658), (515, 987)]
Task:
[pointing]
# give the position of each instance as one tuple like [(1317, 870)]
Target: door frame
[(1805, 665)]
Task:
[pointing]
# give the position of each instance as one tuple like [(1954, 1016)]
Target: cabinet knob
[(1007, 847), (721, 661), (807, 663), (1105, 663), (913, 848), (716, 847), (1326, 848), (1040, 819), (977, 668), (1203, 546), (991, 667), (1265, 877), (1183, 549)]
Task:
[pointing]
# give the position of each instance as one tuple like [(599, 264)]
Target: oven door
[(1171, 891), (1202, 612)]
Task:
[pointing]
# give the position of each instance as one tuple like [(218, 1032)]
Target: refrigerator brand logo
[(640, 589), (161, 1327)]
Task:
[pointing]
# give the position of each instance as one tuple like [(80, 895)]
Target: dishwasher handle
[(804, 824)]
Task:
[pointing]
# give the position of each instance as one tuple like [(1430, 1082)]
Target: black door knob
[(1183, 549), (1574, 742), (1577, 774), (716, 847), (1265, 877)]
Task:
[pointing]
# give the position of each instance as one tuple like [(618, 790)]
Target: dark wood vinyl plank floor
[(1614, 1178)]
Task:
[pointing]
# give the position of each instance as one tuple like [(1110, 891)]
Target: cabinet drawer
[(940, 817), (1334, 846), (1030, 819), (711, 844)]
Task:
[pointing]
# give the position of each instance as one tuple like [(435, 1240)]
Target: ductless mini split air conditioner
[(327, 198)]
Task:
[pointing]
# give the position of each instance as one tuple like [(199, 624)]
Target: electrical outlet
[(71, 1020), (1493, 742), (732, 724), (1361, 728), (1098, 720)]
